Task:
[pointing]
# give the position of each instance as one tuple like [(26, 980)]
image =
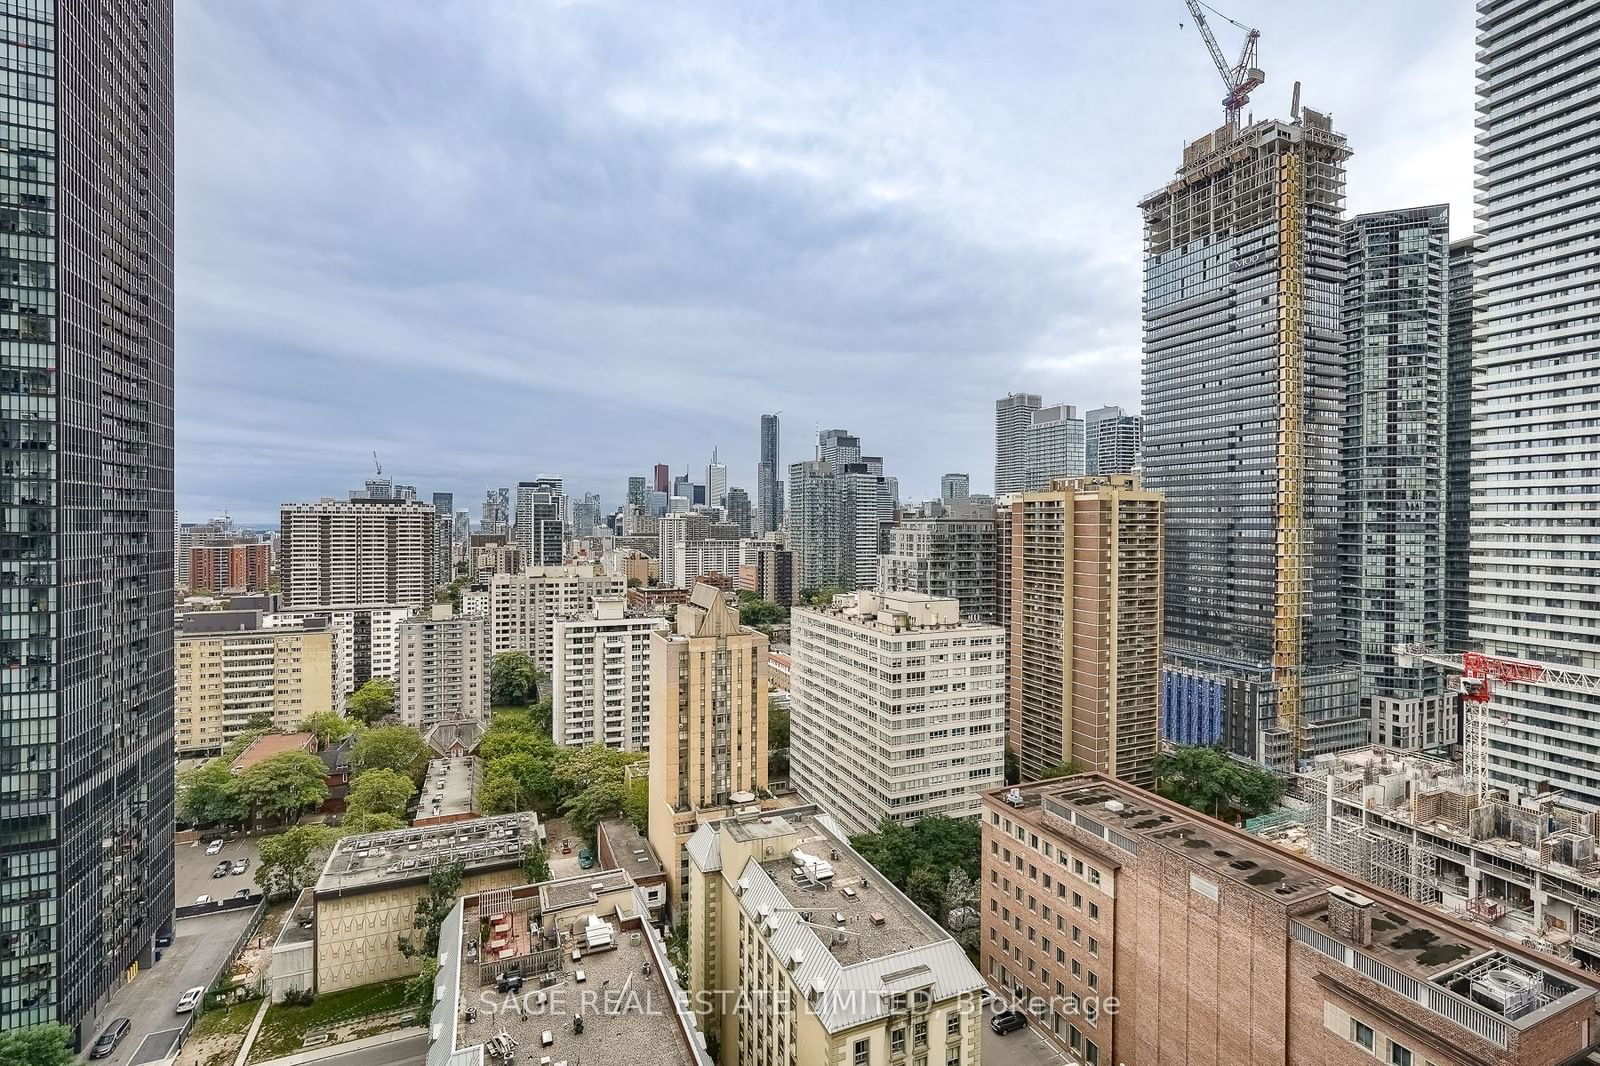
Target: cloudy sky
[(492, 241)]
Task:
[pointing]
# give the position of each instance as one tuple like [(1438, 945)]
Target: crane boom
[(1240, 78)]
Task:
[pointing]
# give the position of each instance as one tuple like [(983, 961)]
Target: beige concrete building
[(366, 641), (494, 558), (444, 668), (801, 952), (524, 608), (708, 723), (601, 680), (346, 553), (225, 677), (1081, 600), (898, 708), (366, 898), (1216, 947)]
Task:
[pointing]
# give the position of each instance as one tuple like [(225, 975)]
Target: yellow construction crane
[(1242, 77)]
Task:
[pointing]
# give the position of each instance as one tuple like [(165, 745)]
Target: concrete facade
[(223, 679), (444, 668), (601, 680), (349, 553), (524, 607)]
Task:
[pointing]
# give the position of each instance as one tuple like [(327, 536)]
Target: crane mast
[(1239, 79)]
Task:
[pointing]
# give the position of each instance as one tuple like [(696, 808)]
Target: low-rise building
[(366, 898), (490, 557), (269, 745), (801, 952), (898, 708), (619, 846), (449, 791), (525, 607), (1135, 930), (601, 682), (444, 668), (229, 669)]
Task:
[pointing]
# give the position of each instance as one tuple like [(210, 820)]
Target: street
[(200, 947)]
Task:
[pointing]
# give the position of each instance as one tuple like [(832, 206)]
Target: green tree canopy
[(444, 887), (636, 803), (777, 739), (939, 843), (1066, 768), (535, 864), (520, 781), (329, 727), (380, 791), (361, 824), (821, 597), (260, 722), (285, 786), (211, 795), (293, 859), (47, 1044), (592, 781), (373, 701), (392, 747), (235, 747), (1208, 781), (758, 612), (513, 679)]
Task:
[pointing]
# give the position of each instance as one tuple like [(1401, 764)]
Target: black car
[(110, 1038), (1008, 1021)]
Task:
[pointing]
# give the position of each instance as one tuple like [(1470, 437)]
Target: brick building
[(1139, 931), (230, 567)]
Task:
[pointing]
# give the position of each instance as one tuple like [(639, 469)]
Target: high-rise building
[(86, 804), (444, 669), (813, 524), (1458, 446), (1391, 538), (841, 507), (1535, 464), (444, 502), (496, 520), (672, 530), (1243, 383), (231, 668), (349, 553), (230, 568), (1112, 441), (1082, 603), (540, 529), (769, 489), (663, 478), (638, 492), (767, 569), (366, 641), (524, 607), (954, 487), (1053, 447), (600, 684), (586, 515), (716, 482), (839, 447), (861, 745), (944, 557), (1169, 914), (737, 510), (1013, 414), (708, 723)]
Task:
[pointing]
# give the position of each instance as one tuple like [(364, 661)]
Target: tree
[(520, 782), (592, 781), (362, 824), (1013, 766), (543, 714), (46, 1044), (419, 991), (444, 886), (292, 859), (285, 785), (235, 747), (392, 747), (535, 864), (636, 803), (373, 701), (938, 843), (925, 887), (512, 679), (1206, 780), (260, 721), (329, 727), (758, 612), (821, 597), (777, 739), (380, 791), (211, 795), (1066, 768)]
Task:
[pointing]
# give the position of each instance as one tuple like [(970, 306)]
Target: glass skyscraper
[(86, 555), (769, 488)]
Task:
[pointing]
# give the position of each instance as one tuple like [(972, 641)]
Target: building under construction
[(1523, 863), (1243, 379)]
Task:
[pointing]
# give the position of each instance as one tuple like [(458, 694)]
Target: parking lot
[(194, 868), (200, 947)]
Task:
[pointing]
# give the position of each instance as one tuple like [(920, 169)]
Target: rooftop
[(450, 789), (585, 888), (631, 851), (267, 745), (364, 862), (898, 612)]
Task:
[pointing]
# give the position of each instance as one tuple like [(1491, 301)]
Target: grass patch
[(222, 1020), (284, 1029)]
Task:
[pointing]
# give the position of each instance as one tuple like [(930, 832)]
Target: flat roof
[(267, 745), (372, 859), (450, 788), (582, 888), (630, 850)]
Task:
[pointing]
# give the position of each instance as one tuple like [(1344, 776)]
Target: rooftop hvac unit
[(1509, 992)]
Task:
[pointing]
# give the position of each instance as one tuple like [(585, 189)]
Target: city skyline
[(1046, 285)]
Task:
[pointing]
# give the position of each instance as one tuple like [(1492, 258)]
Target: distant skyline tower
[(1112, 441), (1458, 448), (1392, 529), (638, 493), (663, 478), (954, 487), (1242, 435), (1053, 447), (540, 529), (1013, 414), (769, 489), (716, 481)]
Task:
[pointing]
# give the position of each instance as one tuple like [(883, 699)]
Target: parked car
[(163, 940), (214, 847), (241, 865), (243, 893), (986, 999), (585, 859), (201, 901), (1008, 1021), (222, 869), (189, 999), (110, 1037)]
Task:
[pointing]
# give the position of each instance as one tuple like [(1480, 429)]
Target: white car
[(201, 901), (213, 847), (189, 999)]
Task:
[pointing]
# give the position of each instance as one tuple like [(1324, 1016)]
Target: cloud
[(500, 240)]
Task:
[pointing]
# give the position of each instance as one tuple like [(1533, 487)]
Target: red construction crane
[(1240, 78)]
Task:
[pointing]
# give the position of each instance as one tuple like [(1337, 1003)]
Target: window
[(1094, 980), (897, 1041), (919, 1032), (1399, 1055), (1094, 946), (1091, 1054), (1094, 912), (1361, 1033), (860, 1054), (1077, 901), (952, 1024), (953, 1057), (1077, 867), (1077, 968)]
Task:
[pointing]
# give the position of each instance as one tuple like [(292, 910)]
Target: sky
[(492, 241)]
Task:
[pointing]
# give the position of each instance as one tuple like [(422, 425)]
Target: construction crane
[(1242, 77), (377, 464), (1479, 674)]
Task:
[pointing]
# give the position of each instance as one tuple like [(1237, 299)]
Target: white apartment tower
[(898, 708), (346, 553), (444, 669), (524, 608), (601, 680), (366, 641), (1534, 588)]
